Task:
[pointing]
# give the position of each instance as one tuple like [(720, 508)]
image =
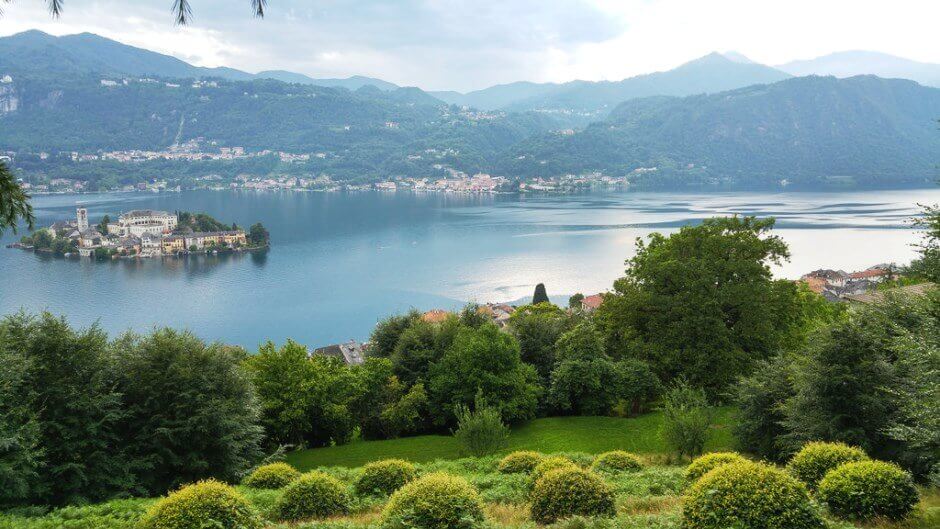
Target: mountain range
[(719, 119)]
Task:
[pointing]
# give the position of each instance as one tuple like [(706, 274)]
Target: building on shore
[(351, 352)]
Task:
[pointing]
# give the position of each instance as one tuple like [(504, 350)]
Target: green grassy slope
[(554, 434)]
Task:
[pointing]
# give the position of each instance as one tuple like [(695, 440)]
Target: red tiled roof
[(592, 302), (872, 272)]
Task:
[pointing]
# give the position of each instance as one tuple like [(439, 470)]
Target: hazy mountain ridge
[(803, 130), (852, 63)]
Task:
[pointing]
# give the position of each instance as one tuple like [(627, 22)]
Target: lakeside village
[(837, 286), (143, 233), (450, 180)]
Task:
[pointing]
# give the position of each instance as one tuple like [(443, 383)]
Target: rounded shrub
[(519, 462), (571, 491), (701, 465), (384, 477), (204, 504), (273, 476), (548, 464), (748, 495), (435, 501), (617, 461), (812, 462), (312, 495), (868, 489)]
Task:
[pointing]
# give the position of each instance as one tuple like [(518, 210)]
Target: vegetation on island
[(151, 414)]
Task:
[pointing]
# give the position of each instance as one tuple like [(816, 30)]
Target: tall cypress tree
[(540, 295)]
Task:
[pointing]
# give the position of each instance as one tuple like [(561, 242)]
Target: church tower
[(82, 215)]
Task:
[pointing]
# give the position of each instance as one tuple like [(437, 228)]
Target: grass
[(591, 435), (650, 498)]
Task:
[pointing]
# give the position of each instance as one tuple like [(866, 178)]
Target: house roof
[(435, 316), (592, 302), (873, 297), (866, 274)]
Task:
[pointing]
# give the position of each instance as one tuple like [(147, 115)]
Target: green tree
[(14, 202), (700, 298), (760, 398), (20, 453), (574, 302), (540, 296), (917, 423), (538, 328), (584, 381), (418, 347), (103, 225), (928, 264), (258, 236), (480, 431), (76, 411), (486, 360), (383, 406), (385, 336), (190, 409), (687, 419)]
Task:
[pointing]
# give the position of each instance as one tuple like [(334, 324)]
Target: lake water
[(339, 262)]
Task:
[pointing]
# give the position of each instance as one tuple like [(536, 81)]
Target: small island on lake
[(144, 233)]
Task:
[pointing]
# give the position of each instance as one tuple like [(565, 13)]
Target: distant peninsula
[(143, 234)]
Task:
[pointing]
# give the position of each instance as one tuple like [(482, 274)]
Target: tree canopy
[(14, 202)]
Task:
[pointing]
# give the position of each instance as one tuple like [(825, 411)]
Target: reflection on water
[(339, 262)]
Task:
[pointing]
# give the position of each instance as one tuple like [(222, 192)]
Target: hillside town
[(138, 233)]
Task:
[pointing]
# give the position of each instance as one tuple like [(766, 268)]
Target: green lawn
[(554, 434)]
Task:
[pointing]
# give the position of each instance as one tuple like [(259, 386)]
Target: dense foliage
[(522, 461), (686, 419), (480, 431), (749, 496), (201, 505), (88, 419), (567, 492), (617, 461), (435, 501), (868, 489), (14, 202)]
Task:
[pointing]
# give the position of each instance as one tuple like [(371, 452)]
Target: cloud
[(454, 44)]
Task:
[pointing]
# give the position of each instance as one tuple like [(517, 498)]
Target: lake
[(341, 261)]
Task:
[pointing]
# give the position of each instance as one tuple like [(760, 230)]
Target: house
[(435, 316), (499, 313), (875, 296), (874, 274), (173, 244), (351, 352), (592, 303), (836, 278), (201, 240)]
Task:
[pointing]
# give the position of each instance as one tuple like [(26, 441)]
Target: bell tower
[(81, 215)]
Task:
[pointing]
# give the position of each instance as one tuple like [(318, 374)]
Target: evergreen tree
[(540, 296)]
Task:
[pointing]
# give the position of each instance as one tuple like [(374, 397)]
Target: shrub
[(204, 504), (566, 492), (435, 501), (273, 476), (686, 419), (867, 489), (617, 461), (522, 461), (748, 495), (707, 462), (812, 462), (384, 477), (312, 495), (480, 432), (547, 465)]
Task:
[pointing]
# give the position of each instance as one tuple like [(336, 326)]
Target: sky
[(473, 44)]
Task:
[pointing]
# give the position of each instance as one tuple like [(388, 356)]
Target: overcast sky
[(465, 45)]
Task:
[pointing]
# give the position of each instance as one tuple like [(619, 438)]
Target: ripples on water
[(341, 261)]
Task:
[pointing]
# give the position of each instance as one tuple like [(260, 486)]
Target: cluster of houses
[(837, 285), (143, 233)]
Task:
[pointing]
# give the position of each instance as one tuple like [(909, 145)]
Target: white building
[(141, 221)]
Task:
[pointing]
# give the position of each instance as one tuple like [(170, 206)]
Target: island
[(144, 233)]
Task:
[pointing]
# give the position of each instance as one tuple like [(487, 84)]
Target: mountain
[(851, 63), (713, 73), (350, 83), (807, 130), (37, 53)]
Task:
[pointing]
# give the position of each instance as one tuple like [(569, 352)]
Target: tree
[(574, 302), (14, 202), (540, 296), (383, 406), (480, 432), (182, 11), (486, 360), (103, 225), (917, 423), (20, 453), (385, 336), (700, 298), (418, 347), (537, 328), (686, 419), (75, 410), (760, 398), (190, 409), (928, 264), (258, 236)]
